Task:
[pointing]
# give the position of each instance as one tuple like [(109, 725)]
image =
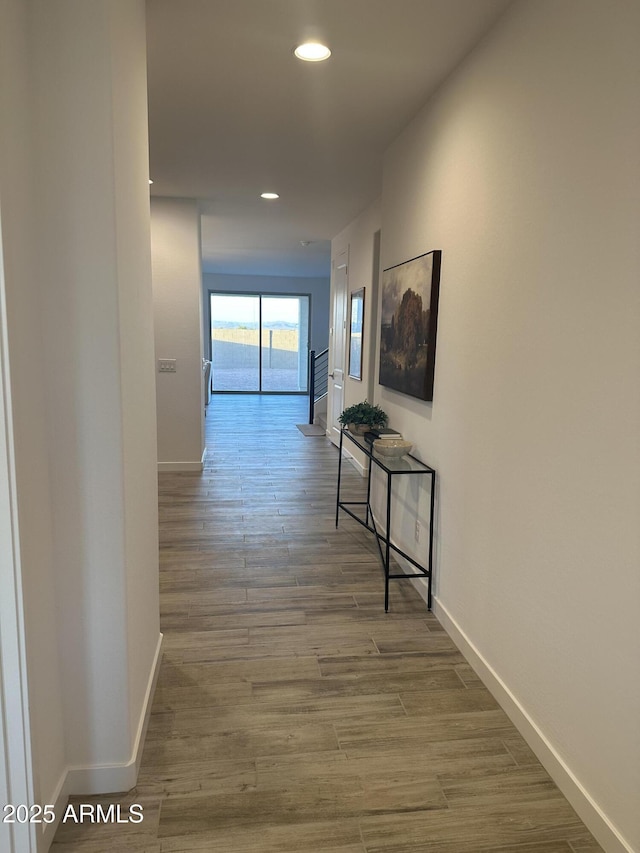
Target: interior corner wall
[(524, 170), (317, 288), (177, 297)]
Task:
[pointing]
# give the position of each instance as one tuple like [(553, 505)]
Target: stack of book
[(381, 433)]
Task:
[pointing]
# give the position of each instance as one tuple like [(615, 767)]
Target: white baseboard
[(113, 778), (586, 807), (181, 467), (105, 779), (59, 802), (143, 723), (360, 468)]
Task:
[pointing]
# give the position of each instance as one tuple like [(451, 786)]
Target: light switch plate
[(166, 365)]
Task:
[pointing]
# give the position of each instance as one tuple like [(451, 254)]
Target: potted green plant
[(361, 417)]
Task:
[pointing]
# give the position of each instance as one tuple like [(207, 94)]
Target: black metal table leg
[(369, 513), (339, 475), (387, 554), (431, 519)]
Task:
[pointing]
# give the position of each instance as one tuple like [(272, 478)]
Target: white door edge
[(16, 768)]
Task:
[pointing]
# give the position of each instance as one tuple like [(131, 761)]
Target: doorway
[(259, 343), (337, 343)]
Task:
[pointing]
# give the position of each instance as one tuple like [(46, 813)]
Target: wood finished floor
[(292, 714)]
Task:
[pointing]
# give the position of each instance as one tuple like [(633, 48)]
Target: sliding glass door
[(285, 338), (235, 342), (259, 343)]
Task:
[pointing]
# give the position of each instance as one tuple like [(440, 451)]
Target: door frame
[(338, 263), (16, 760)]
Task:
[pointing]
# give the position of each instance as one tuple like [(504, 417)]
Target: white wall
[(74, 184), (317, 288), (177, 288), (524, 170), (136, 337)]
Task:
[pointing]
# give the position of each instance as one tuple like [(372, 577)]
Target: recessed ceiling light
[(269, 195), (150, 181), (312, 51)]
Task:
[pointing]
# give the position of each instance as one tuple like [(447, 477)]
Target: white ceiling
[(232, 113)]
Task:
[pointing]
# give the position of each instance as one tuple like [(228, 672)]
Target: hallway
[(292, 714)]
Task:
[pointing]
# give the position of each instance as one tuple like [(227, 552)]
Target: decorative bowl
[(393, 448)]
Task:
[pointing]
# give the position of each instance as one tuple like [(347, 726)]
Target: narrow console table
[(406, 465)]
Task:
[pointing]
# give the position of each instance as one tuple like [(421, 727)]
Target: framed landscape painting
[(410, 292)]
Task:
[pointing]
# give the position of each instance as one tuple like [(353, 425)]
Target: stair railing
[(318, 379)]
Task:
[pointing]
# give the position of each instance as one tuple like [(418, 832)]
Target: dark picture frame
[(356, 333), (409, 322)]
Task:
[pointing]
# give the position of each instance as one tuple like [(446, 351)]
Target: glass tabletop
[(406, 464)]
